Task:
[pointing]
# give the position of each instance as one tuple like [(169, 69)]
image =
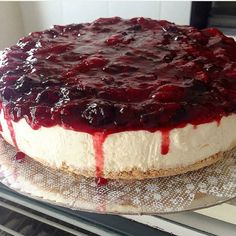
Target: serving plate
[(203, 188)]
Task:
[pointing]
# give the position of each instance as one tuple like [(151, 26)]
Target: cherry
[(114, 39), (48, 97), (98, 113), (115, 68), (107, 21), (25, 84), (167, 93)]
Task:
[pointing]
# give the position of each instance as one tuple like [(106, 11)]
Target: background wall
[(20, 18), (11, 27)]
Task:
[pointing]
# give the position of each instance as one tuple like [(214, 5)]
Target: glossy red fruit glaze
[(115, 75), (10, 127), (218, 121), (100, 181), (20, 156), (165, 142), (98, 141)]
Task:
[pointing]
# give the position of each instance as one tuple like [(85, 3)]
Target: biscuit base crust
[(152, 173), (136, 174)]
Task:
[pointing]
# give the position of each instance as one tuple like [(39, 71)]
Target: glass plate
[(203, 188)]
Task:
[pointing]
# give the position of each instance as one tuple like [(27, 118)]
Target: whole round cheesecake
[(116, 98)]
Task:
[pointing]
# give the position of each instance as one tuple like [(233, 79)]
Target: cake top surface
[(114, 75)]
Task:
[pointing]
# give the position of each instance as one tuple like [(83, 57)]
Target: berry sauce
[(20, 156), (10, 127), (165, 143), (115, 75), (218, 121), (0, 113), (98, 140), (100, 181)]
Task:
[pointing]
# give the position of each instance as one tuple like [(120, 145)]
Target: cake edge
[(136, 174)]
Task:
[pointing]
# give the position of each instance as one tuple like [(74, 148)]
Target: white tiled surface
[(41, 15), (74, 11), (20, 18), (178, 12), (11, 27), (129, 9)]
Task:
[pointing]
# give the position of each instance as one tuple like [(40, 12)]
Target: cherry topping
[(165, 142), (101, 181), (113, 75), (20, 156)]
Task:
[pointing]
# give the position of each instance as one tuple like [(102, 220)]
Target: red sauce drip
[(165, 142), (10, 127), (0, 113), (101, 181), (218, 120), (98, 141), (20, 156)]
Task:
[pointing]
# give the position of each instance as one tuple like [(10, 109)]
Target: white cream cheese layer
[(125, 150)]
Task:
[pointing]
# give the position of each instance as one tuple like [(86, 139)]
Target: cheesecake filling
[(123, 151)]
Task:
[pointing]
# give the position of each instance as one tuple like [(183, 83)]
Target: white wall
[(11, 27), (19, 18), (41, 15), (178, 12)]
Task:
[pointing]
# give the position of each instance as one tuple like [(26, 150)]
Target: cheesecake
[(120, 99)]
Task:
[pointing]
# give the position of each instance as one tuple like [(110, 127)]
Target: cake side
[(126, 154)]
